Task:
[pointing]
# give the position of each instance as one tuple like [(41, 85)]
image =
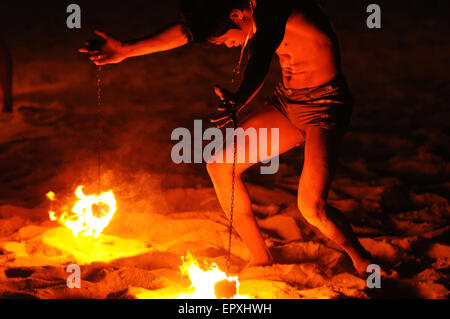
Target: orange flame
[(204, 281), (89, 216)]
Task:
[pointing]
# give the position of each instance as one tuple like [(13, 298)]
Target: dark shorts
[(328, 106)]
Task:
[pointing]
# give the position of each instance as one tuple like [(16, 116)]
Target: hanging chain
[(100, 129), (233, 184), (236, 71), (237, 68)]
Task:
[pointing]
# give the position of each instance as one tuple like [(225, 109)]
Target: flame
[(89, 216), (51, 195), (204, 281)]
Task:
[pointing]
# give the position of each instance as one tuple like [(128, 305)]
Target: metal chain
[(236, 71), (100, 128), (230, 234), (237, 68)]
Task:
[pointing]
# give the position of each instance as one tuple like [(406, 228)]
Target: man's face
[(236, 37)]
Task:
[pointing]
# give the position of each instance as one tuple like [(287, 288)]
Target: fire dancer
[(312, 104)]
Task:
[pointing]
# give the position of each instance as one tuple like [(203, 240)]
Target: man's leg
[(5, 77), (221, 175), (321, 147)]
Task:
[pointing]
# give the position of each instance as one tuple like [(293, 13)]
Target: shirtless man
[(311, 105)]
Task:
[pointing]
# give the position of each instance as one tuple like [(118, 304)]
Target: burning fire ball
[(225, 289), (89, 216), (209, 282)]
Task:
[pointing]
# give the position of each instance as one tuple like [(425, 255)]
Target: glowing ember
[(204, 282), (89, 216)]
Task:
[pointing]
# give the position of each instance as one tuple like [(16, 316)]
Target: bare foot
[(361, 268)]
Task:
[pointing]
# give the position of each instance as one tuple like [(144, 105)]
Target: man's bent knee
[(211, 168), (219, 169), (225, 169), (313, 210)]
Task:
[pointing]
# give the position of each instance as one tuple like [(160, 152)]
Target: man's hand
[(108, 51), (229, 106)]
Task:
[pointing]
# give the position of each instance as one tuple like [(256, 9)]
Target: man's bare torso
[(308, 55)]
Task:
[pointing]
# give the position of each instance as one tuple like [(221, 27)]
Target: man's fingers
[(99, 62), (224, 107), (97, 57), (224, 124), (102, 34), (218, 91), (222, 93), (221, 122), (85, 50), (89, 47), (219, 119)]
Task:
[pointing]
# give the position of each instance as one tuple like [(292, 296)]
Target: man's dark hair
[(204, 19)]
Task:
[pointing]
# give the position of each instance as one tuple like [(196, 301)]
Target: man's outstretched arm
[(115, 51), (168, 39)]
